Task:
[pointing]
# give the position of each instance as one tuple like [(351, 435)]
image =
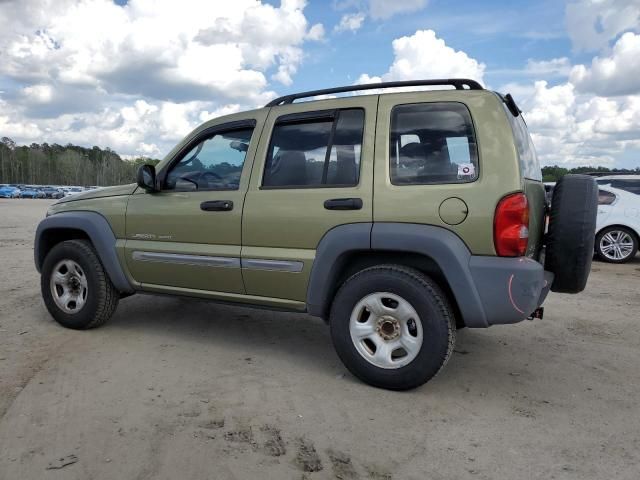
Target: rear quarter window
[(432, 143), (529, 164), (605, 198)]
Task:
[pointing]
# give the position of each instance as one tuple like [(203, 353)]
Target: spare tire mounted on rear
[(571, 236)]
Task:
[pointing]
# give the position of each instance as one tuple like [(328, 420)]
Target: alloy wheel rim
[(616, 245), (69, 287), (386, 330)]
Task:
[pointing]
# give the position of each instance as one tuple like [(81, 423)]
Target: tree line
[(554, 172), (44, 164)]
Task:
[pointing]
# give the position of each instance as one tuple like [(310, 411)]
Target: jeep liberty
[(397, 217)]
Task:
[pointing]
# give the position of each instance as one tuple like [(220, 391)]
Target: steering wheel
[(206, 173), (201, 178)]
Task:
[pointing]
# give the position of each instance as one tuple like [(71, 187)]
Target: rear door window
[(315, 152)]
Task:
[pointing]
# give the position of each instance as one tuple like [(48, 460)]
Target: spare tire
[(571, 236)]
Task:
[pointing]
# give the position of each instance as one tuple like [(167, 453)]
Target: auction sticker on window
[(466, 170)]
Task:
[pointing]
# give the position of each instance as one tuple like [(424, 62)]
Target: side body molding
[(96, 227), (447, 250), (331, 254)]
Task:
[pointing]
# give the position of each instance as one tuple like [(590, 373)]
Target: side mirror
[(147, 178)]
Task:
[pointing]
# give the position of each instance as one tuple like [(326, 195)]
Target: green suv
[(397, 217)]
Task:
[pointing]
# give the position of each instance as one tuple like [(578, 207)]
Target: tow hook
[(537, 313)]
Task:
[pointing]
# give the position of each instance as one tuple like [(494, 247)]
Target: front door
[(313, 172), (188, 235)]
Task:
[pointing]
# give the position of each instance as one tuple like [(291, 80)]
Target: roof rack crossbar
[(458, 83)]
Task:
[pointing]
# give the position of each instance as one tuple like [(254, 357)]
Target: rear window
[(529, 164), (432, 143), (628, 185)]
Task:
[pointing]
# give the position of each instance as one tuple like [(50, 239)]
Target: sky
[(138, 75)]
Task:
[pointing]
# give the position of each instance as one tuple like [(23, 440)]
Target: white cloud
[(384, 9), (592, 24), (578, 129), (424, 55), (554, 67), (148, 149), (618, 74), (350, 22), (142, 128), (374, 9), (592, 118), (38, 93), (569, 125), (70, 64), (316, 32)]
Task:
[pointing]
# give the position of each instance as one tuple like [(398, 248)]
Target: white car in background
[(618, 223)]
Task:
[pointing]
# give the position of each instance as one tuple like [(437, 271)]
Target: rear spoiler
[(510, 103)]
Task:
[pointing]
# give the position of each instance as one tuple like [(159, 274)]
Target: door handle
[(343, 204), (217, 206)]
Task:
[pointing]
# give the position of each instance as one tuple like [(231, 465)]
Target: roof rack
[(611, 174), (458, 83)]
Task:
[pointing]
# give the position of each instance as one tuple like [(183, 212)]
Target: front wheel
[(76, 290), (616, 244), (392, 327)]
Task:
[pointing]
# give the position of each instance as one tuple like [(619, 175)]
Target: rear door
[(313, 172), (188, 235)]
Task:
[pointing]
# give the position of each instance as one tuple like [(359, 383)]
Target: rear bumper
[(510, 289)]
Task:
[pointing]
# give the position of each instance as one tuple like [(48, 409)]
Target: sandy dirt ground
[(185, 389)]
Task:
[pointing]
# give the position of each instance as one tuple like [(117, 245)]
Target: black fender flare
[(97, 228), (331, 253), (441, 245)]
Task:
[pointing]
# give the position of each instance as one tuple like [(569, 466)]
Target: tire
[(571, 236), (93, 298), (432, 331), (628, 238)]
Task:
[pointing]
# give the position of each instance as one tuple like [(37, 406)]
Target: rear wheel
[(76, 290), (616, 244), (392, 327)]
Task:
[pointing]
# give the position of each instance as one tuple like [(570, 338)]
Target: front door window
[(214, 163)]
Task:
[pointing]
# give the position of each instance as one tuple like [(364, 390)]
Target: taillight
[(511, 226)]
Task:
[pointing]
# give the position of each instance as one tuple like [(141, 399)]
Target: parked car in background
[(28, 192), (7, 191), (73, 191), (52, 192), (618, 224), (628, 183)]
